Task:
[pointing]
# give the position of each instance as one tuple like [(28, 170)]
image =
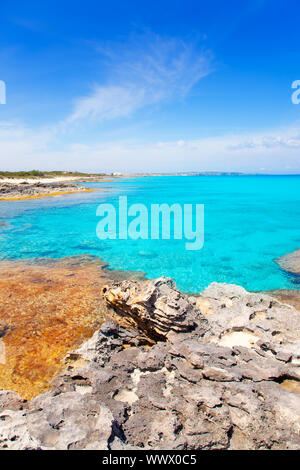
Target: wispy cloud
[(108, 102), (147, 70)]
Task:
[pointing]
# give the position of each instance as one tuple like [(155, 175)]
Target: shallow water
[(46, 311), (249, 221)]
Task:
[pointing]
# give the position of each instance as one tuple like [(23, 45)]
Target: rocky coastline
[(36, 187), (32, 190), (168, 370)]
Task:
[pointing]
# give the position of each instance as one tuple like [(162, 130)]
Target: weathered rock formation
[(172, 371)]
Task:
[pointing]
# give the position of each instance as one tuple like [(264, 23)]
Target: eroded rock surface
[(219, 371), (156, 307)]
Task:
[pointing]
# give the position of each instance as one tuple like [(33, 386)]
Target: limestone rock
[(156, 307), (220, 371)]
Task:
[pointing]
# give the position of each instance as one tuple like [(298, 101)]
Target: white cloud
[(108, 103), (149, 71), (146, 71)]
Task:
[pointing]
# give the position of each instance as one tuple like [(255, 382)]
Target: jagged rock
[(156, 307), (222, 373), (11, 400)]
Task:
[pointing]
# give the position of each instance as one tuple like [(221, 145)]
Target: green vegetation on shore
[(45, 174)]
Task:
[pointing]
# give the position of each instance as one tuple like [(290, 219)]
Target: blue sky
[(150, 86)]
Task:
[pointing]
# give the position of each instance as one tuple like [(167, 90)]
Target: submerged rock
[(290, 262), (172, 371)]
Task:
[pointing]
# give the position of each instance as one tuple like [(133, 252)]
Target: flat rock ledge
[(172, 371)]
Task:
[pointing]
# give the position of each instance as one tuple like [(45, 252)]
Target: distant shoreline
[(36, 184), (67, 177)]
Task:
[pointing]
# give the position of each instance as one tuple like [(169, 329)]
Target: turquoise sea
[(249, 221)]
